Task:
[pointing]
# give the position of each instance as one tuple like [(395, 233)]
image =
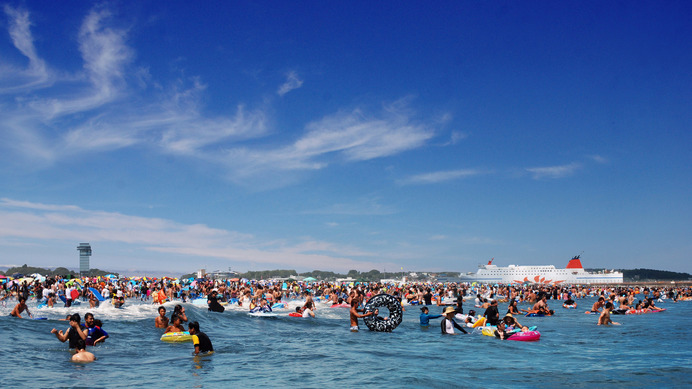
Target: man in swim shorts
[(596, 308), (82, 356), (354, 315), (162, 320), (20, 307), (604, 319), (200, 340)]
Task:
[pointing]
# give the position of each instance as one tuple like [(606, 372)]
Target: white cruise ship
[(574, 273)]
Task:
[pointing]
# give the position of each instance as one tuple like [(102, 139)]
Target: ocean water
[(646, 351)]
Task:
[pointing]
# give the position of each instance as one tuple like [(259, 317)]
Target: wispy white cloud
[(96, 110), (437, 177), (22, 220), (36, 73), (598, 158), (364, 206), (344, 136), (554, 171), (292, 82)]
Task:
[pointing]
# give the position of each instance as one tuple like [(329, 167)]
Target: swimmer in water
[(199, 339), (596, 308), (354, 315), (82, 356), (19, 308), (161, 320), (425, 317), (176, 325), (95, 333), (73, 334), (604, 319)]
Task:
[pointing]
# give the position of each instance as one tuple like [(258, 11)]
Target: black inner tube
[(376, 323)]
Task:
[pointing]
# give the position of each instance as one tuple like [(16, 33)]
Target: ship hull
[(540, 275)]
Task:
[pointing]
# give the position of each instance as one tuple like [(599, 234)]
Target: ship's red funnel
[(575, 263)]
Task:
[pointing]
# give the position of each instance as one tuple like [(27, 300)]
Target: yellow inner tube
[(176, 337)]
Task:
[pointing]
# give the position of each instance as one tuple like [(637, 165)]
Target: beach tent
[(309, 279)]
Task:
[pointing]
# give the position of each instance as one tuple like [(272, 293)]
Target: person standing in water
[(82, 356), (447, 325), (73, 334), (604, 319), (354, 315), (425, 317), (200, 340), (20, 307), (161, 320)]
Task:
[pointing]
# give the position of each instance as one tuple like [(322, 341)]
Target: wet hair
[(162, 307), (174, 317), (177, 308), (609, 305), (88, 315), (194, 325), (81, 344), (98, 323), (424, 309), (75, 317)]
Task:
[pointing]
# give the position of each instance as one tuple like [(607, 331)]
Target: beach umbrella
[(1, 276), (309, 279)]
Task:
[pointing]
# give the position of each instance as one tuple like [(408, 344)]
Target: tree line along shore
[(630, 277)]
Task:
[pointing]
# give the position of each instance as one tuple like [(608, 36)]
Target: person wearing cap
[(491, 314), (425, 317), (511, 322), (448, 324), (213, 301), (119, 299)]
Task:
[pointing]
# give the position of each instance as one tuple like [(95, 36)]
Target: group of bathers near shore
[(200, 340), (80, 335)]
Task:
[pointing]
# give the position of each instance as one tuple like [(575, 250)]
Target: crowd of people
[(261, 296)]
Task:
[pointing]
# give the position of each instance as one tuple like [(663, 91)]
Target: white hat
[(120, 293)]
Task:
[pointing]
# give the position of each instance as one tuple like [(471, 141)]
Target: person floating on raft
[(263, 307)]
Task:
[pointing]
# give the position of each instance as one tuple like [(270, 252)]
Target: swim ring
[(479, 322), (529, 336), (176, 337), (395, 317)]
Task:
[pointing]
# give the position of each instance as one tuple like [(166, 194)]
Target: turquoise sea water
[(651, 350)]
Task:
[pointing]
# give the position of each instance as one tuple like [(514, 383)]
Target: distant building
[(84, 254), (224, 275)]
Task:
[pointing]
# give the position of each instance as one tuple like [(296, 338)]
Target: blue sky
[(324, 135)]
